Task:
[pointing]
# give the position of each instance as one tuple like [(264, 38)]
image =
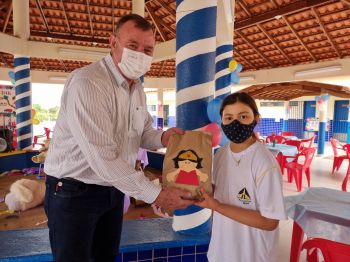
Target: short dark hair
[(240, 97), (177, 158), (139, 21)]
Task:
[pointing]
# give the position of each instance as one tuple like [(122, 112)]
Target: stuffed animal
[(25, 194)]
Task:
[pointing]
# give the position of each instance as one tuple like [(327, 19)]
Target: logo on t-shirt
[(244, 196)]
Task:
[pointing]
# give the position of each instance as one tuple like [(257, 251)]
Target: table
[(318, 212), (292, 137), (286, 150)]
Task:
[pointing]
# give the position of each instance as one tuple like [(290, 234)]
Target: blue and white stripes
[(222, 73), (195, 82), (23, 102), (195, 59)]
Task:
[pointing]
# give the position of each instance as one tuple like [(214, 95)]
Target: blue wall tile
[(189, 258), (201, 258), (174, 251), (174, 259), (188, 250), (160, 252), (202, 249), (127, 257), (160, 260), (119, 258), (145, 255)]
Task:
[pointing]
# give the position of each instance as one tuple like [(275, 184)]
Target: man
[(102, 122)]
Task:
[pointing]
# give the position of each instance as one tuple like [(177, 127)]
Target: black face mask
[(237, 132)]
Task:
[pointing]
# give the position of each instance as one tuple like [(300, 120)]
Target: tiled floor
[(321, 169)]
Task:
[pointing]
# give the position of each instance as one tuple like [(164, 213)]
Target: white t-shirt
[(250, 179)]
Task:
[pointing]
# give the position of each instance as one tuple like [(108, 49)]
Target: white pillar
[(138, 7), (21, 27)]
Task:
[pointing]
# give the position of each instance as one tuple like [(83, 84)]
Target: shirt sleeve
[(151, 138), (269, 191), (90, 122)]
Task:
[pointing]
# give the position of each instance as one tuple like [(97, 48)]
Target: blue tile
[(145, 255), (147, 260), (174, 259), (202, 249), (160, 252), (174, 251), (189, 258), (160, 259), (201, 258), (119, 258), (188, 250), (127, 257)]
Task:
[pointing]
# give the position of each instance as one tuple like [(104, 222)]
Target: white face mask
[(134, 64)]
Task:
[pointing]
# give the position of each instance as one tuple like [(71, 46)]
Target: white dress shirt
[(100, 127)]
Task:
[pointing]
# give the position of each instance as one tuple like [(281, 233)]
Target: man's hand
[(166, 135), (171, 198)]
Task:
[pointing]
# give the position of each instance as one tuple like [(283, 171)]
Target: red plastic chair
[(295, 169), (278, 139), (346, 178), (338, 159), (287, 133), (283, 158), (46, 135), (331, 251), (308, 142)]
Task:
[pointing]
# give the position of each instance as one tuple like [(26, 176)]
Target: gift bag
[(188, 162)]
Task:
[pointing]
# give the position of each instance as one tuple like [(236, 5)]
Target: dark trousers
[(85, 221)]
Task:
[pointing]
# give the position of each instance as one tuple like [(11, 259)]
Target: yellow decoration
[(232, 65), (188, 155), (34, 120)]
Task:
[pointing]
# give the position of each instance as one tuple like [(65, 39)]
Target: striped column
[(224, 48), (195, 82), (23, 102), (222, 73)]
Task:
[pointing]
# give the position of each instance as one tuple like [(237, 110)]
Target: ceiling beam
[(275, 5), (37, 2), (256, 49), (90, 21), (8, 15), (166, 7), (66, 17), (325, 32), (294, 7), (113, 22), (275, 43), (244, 7), (160, 21), (156, 22), (346, 2), (4, 60), (295, 33), (64, 66), (245, 59), (5, 4), (43, 63), (71, 37)]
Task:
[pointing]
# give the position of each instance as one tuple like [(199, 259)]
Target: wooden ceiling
[(268, 33), (292, 90)]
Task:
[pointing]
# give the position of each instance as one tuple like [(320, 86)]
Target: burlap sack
[(188, 162)]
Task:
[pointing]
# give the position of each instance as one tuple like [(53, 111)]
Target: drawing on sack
[(187, 164)]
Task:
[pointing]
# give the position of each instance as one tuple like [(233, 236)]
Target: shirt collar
[(120, 79)]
